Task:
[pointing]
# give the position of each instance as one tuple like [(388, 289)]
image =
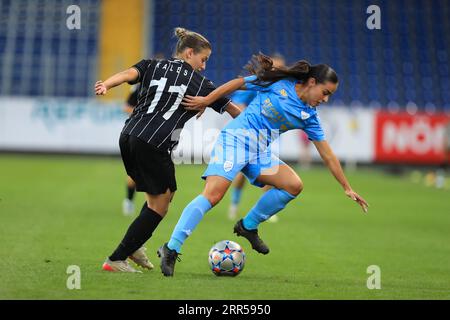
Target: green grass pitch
[(62, 211)]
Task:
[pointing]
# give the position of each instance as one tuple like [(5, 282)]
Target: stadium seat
[(32, 33), (414, 59)]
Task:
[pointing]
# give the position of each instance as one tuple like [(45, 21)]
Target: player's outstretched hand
[(356, 197), (195, 104), (100, 88)]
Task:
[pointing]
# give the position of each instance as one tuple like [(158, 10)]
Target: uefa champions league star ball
[(226, 258)]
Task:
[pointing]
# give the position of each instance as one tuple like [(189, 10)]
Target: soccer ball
[(226, 258)]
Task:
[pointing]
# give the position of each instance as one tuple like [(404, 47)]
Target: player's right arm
[(130, 75), (198, 102), (233, 110)]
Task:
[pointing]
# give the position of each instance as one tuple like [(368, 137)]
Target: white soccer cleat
[(232, 212), (140, 258), (118, 266), (273, 219), (127, 207)]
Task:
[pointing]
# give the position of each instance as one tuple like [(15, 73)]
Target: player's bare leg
[(127, 203), (215, 189), (282, 177), (159, 203)]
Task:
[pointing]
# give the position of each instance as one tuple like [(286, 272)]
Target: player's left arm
[(130, 75), (332, 162)]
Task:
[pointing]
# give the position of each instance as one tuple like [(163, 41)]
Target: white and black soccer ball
[(226, 258)]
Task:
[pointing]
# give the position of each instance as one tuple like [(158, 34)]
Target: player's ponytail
[(262, 66), (180, 33), (190, 39)]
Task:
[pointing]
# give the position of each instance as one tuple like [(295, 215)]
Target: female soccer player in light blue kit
[(287, 99), (242, 99)]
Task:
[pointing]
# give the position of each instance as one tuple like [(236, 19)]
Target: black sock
[(137, 234), (130, 192)]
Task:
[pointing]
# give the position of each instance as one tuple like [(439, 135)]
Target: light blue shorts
[(234, 153)]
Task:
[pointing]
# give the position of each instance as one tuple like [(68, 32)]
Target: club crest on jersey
[(283, 93), (227, 166), (304, 115)]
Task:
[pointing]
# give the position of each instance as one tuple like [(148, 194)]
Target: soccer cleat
[(168, 259), (127, 207), (273, 219), (252, 237), (232, 212), (118, 266), (140, 258)]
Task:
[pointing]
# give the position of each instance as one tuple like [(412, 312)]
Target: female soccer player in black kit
[(152, 131)]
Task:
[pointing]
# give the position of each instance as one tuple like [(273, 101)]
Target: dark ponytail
[(262, 66)]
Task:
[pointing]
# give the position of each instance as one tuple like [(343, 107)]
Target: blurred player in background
[(242, 99), (127, 203), (287, 99), (153, 130)]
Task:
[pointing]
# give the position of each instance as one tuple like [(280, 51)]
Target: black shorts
[(151, 169)]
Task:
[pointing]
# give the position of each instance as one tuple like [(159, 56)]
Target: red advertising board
[(405, 138)]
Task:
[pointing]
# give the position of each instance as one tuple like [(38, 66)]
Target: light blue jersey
[(277, 107), (244, 144)]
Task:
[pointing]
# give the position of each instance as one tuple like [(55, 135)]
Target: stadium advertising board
[(405, 138), (60, 125), (90, 126)]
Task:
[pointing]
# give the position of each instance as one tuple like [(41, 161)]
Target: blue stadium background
[(406, 63)]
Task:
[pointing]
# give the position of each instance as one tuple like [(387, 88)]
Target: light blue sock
[(270, 203), (236, 196), (190, 218)]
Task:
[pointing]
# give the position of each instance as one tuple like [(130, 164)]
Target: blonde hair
[(190, 39)]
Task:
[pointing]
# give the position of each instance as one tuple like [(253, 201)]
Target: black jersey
[(159, 115)]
